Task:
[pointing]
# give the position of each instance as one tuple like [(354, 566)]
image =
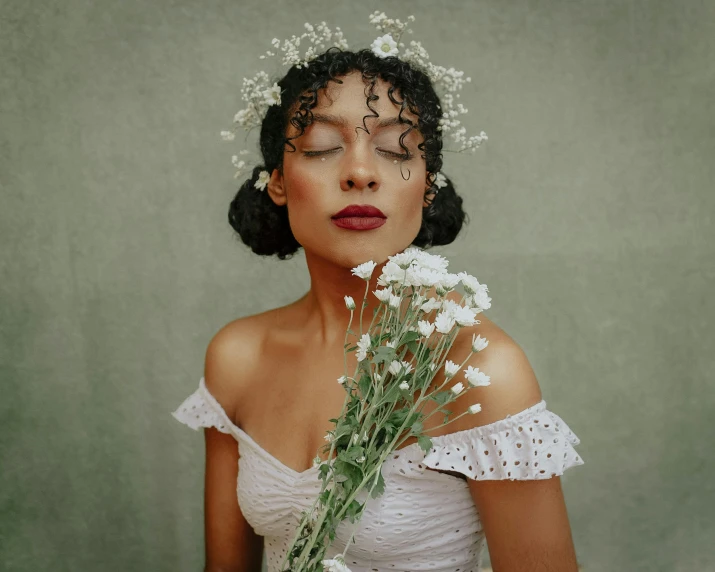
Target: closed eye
[(316, 153), (392, 154)]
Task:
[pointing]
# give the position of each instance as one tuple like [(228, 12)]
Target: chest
[(292, 399)]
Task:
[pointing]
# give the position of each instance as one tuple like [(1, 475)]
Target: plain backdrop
[(591, 212)]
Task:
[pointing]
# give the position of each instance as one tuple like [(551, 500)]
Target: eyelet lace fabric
[(425, 519)]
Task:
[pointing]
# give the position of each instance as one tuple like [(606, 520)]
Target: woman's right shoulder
[(237, 352), (233, 356)]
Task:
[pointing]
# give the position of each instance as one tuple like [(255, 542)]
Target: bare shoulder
[(513, 384), (233, 355)]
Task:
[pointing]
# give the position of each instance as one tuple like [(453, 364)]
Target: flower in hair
[(263, 178), (440, 181), (260, 92), (272, 95), (384, 46)]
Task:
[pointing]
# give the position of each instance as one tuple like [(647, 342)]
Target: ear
[(275, 188)]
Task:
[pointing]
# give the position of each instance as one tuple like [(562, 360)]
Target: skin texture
[(274, 372)]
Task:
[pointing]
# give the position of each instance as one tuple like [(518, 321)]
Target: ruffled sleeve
[(532, 444), (200, 409)]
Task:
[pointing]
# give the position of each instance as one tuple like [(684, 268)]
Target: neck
[(326, 313)]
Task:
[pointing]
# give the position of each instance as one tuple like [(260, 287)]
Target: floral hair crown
[(258, 93)]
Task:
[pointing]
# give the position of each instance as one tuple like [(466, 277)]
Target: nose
[(360, 169)]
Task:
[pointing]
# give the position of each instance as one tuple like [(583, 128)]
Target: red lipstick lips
[(359, 217)]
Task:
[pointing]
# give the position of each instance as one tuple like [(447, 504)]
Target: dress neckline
[(448, 438)]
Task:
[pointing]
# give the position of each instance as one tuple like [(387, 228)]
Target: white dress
[(425, 520)]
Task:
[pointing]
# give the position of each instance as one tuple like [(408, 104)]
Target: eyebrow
[(342, 122)]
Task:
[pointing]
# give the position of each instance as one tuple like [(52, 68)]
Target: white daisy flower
[(384, 294), (272, 96), (450, 368), (396, 367), (362, 346), (476, 408), (431, 304), (364, 270), (425, 328), (478, 343), (335, 565), (440, 181), (384, 46), (394, 301), (263, 178), (471, 284), (444, 323), (457, 388), (349, 302), (475, 377), (391, 344)]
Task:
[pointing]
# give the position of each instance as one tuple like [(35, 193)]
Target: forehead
[(347, 102)]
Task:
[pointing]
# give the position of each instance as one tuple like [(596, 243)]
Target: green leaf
[(424, 442), (441, 397), (409, 337), (417, 427), (379, 486), (364, 385)]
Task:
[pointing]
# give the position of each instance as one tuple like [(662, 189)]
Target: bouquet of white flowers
[(398, 358)]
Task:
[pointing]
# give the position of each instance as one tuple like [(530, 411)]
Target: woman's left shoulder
[(512, 386)]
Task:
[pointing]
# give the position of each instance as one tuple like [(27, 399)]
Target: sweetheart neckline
[(277, 461), (446, 438)]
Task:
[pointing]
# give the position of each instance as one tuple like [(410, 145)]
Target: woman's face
[(337, 163)]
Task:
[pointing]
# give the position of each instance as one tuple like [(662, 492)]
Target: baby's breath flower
[(349, 302), (391, 344), (263, 178), (364, 270), (478, 343), (360, 459), (342, 379), (476, 408), (404, 386), (228, 135), (450, 368), (457, 388), (475, 377)]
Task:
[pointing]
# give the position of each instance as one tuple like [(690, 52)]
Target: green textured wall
[(591, 221)]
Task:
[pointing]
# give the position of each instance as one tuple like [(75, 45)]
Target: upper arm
[(230, 542), (525, 521)]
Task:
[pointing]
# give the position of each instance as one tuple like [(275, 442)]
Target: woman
[(353, 151)]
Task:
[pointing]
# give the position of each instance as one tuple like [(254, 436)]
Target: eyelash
[(402, 156)]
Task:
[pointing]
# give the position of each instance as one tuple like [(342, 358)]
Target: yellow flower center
[(386, 47)]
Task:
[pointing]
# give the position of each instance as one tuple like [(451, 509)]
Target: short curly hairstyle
[(264, 226)]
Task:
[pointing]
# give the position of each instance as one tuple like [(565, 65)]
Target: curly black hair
[(264, 226)]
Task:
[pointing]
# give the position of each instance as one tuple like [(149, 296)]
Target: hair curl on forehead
[(408, 88)]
